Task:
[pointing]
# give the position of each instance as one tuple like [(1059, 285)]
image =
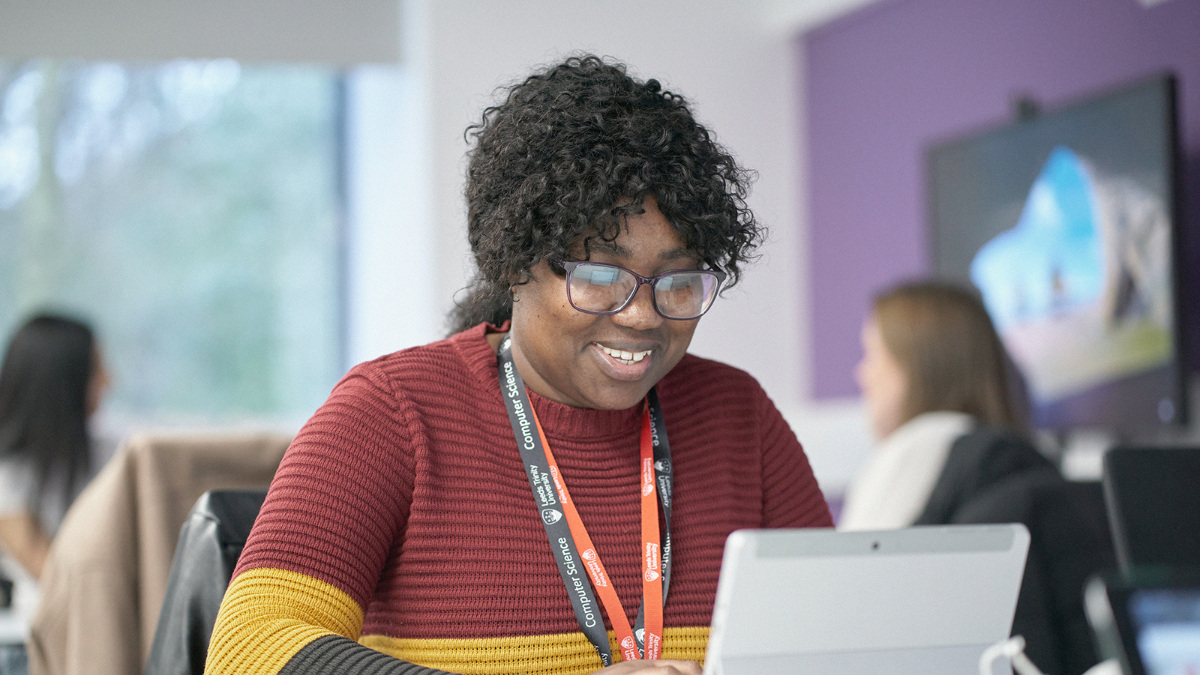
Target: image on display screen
[(1064, 223)]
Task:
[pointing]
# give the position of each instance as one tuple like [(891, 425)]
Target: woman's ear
[(518, 279), (516, 282)]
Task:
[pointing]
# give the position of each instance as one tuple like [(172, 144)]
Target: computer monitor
[(1153, 501), (1149, 623)]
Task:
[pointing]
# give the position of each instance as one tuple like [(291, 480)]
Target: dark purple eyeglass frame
[(570, 265)]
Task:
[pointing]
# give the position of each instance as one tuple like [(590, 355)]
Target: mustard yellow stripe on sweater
[(561, 654), (269, 614)]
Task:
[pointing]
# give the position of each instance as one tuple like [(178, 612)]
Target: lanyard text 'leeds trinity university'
[(578, 562)]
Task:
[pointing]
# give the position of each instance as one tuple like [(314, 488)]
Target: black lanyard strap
[(558, 532)]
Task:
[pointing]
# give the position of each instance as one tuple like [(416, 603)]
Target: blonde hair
[(943, 338)]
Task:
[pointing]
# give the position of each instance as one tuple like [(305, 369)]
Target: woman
[(50, 384), (507, 500), (952, 448), (933, 369)]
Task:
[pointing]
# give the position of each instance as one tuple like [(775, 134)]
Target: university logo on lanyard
[(579, 563)]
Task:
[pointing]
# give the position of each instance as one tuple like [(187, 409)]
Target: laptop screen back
[(918, 600)]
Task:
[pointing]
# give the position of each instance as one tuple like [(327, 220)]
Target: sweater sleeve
[(339, 500), (791, 496)]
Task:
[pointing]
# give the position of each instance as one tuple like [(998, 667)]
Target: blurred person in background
[(950, 416), (933, 370), (51, 383)]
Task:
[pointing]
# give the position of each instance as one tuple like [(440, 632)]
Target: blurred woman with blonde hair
[(932, 370), (949, 412)]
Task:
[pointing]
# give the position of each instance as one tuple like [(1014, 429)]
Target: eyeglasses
[(598, 288)]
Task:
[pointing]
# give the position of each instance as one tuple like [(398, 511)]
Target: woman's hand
[(659, 667)]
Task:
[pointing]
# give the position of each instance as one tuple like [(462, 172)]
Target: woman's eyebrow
[(614, 249), (678, 254), (608, 247)]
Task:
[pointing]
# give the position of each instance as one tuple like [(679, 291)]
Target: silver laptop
[(903, 602)]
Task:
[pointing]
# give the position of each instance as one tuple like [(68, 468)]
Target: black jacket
[(998, 477)]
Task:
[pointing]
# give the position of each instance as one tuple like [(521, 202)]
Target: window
[(192, 211)]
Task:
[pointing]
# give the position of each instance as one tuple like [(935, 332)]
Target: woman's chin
[(618, 397)]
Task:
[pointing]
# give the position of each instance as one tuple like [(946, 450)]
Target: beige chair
[(106, 575)]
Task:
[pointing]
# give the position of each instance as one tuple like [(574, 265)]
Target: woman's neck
[(494, 339)]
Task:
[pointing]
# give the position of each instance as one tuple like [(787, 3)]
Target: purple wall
[(888, 80)]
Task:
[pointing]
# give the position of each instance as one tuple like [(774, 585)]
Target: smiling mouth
[(624, 357)]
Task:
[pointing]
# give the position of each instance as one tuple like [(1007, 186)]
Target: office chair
[(1153, 500), (210, 543), (993, 476)]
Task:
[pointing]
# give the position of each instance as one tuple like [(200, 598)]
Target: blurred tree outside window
[(193, 212)]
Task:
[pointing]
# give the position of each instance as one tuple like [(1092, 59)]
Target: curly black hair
[(571, 150)]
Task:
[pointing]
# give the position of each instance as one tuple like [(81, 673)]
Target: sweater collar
[(559, 421)]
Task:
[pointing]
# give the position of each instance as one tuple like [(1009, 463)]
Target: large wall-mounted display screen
[(1065, 223)]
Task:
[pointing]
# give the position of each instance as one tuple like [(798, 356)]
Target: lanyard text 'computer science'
[(578, 561)]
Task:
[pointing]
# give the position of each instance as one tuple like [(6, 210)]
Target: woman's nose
[(640, 314)]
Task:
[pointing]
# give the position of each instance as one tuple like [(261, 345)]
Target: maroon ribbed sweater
[(406, 491)]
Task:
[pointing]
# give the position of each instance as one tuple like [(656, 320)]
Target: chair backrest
[(210, 543), (1153, 499), (996, 477)]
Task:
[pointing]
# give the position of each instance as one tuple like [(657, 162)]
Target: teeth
[(628, 358)]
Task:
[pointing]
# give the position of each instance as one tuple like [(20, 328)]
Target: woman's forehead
[(663, 248)]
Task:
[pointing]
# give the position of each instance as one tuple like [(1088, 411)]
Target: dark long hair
[(551, 163), (43, 400)]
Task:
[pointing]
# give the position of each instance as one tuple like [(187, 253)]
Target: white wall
[(735, 62), (736, 65), (408, 251), (742, 86), (336, 33)]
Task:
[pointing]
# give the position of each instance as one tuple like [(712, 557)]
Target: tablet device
[(913, 601), (1149, 621)]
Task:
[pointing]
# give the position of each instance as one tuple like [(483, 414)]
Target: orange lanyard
[(651, 570), (572, 546)]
